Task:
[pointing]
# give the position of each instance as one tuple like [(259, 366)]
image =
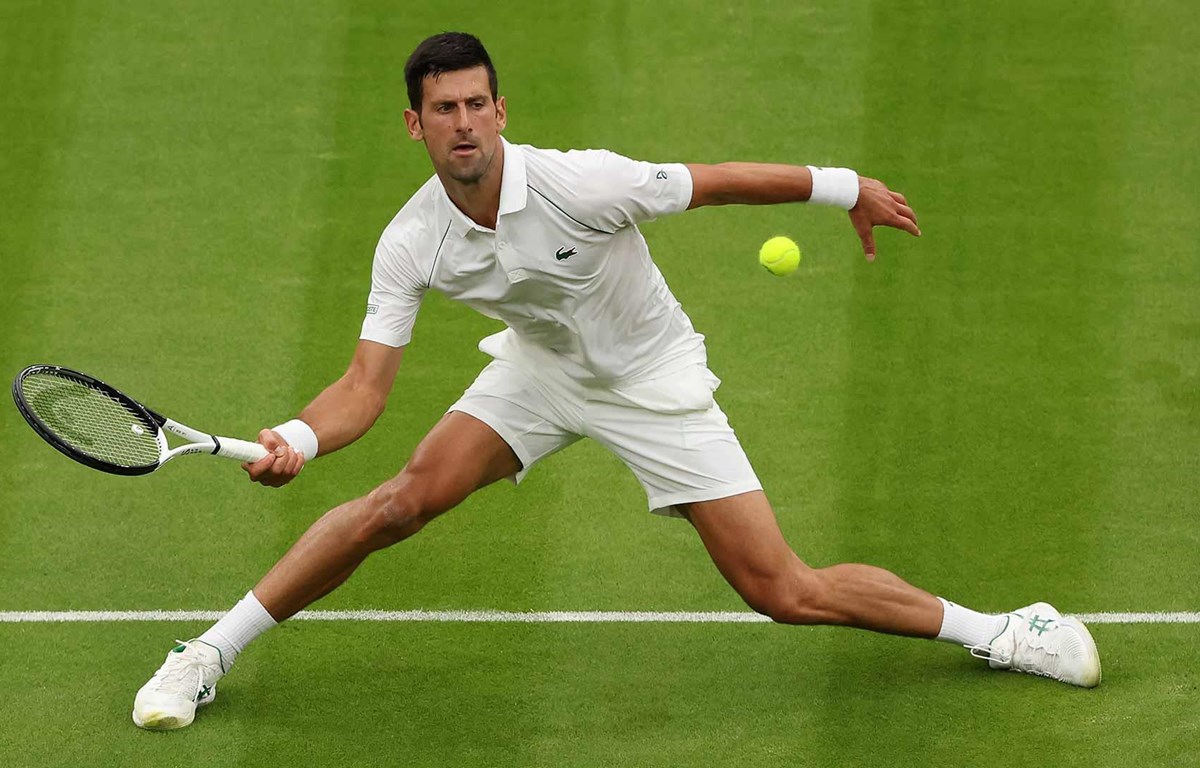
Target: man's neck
[(480, 202)]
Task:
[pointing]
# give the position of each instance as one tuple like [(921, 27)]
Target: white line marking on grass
[(1183, 617), (514, 617)]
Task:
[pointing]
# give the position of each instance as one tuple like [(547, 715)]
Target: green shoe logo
[(203, 693), (1040, 625)]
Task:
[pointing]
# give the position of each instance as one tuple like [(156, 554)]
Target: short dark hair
[(447, 52)]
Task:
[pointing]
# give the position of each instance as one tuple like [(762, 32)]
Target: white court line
[(514, 617)]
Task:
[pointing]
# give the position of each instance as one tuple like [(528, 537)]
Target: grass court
[(1005, 410)]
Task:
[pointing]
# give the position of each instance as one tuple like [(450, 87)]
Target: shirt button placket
[(504, 256)]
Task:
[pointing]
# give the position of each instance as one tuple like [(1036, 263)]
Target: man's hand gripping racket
[(103, 428), (278, 465)]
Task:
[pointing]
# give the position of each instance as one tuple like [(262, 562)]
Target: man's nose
[(462, 121)]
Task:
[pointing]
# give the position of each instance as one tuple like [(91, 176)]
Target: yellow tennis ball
[(780, 255)]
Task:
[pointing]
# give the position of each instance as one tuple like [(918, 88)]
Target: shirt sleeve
[(396, 293), (617, 191)]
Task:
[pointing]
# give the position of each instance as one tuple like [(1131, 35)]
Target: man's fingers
[(293, 463), (879, 206), (907, 224), (279, 466), (270, 439), (259, 468)]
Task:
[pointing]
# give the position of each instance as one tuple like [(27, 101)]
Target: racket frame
[(198, 442)]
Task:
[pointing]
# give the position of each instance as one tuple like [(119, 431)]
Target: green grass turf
[(1004, 410), (594, 695)]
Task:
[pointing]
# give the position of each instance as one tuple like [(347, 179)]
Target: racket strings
[(91, 421)]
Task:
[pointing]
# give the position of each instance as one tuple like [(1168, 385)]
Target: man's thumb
[(868, 244), (270, 439)]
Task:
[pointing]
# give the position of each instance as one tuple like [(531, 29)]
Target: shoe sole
[(1092, 676), (161, 721)]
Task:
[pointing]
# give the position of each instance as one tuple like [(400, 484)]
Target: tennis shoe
[(1038, 640), (185, 681)]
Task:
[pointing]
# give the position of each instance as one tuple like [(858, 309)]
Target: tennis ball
[(780, 255)]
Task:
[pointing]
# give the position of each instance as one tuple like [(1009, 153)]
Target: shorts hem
[(665, 504), (507, 435)]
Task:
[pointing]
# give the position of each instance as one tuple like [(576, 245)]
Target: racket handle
[(242, 450)]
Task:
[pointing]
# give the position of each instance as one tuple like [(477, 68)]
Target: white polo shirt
[(566, 268)]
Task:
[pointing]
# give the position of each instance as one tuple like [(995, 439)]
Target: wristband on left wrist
[(834, 186)]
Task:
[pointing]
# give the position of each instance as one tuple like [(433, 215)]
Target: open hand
[(879, 206)]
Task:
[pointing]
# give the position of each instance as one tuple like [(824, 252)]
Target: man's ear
[(413, 120), (501, 113)]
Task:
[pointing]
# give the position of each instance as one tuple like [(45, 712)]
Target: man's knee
[(796, 596), (401, 507)]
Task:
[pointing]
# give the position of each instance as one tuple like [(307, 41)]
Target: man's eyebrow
[(472, 97)]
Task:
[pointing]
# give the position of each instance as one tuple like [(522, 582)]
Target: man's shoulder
[(580, 181), (420, 219), (559, 160)]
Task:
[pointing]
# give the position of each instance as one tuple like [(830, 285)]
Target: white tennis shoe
[(185, 681), (1038, 640)]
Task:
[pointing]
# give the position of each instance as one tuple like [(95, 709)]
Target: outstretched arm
[(337, 417), (769, 183)]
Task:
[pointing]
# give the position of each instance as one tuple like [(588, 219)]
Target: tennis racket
[(104, 428)]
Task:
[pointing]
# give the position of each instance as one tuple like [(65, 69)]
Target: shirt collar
[(513, 191), (512, 183)]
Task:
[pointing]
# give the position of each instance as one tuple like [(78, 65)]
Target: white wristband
[(834, 186), (300, 436)]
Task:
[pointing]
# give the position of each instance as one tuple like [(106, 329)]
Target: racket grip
[(242, 450)]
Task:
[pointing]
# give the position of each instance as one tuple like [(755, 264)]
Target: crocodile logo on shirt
[(563, 253)]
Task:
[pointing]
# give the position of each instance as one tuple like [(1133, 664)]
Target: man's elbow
[(376, 404), (364, 396)]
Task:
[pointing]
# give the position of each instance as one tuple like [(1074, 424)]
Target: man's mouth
[(463, 148)]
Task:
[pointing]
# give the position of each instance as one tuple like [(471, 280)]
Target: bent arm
[(347, 408), (337, 417)]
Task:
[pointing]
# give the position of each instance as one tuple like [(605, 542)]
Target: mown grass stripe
[(517, 617)]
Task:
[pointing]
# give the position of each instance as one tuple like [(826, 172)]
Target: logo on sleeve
[(563, 253), (661, 175), (372, 309)]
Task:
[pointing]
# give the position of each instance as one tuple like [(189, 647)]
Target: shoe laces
[(181, 672), (1030, 653)]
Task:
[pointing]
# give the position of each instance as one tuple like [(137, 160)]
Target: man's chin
[(465, 175), (468, 170)]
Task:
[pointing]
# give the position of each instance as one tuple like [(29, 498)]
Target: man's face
[(459, 123)]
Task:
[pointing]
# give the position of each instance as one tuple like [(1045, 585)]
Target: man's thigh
[(458, 456)]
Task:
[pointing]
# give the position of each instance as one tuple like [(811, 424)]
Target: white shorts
[(669, 431)]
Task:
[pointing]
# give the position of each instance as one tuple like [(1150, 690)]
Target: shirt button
[(503, 244)]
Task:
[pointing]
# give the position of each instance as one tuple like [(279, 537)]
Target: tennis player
[(596, 346)]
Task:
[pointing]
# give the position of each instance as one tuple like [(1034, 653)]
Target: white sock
[(963, 626), (236, 629)]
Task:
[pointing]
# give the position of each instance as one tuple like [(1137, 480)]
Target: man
[(596, 346)]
